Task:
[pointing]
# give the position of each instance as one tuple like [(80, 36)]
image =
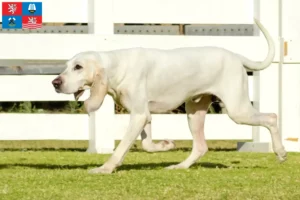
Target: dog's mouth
[(80, 91), (78, 94)]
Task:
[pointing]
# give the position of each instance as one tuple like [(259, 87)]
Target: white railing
[(267, 88)]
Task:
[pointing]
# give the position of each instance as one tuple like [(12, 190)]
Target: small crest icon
[(12, 8), (31, 8), (22, 15), (12, 21)]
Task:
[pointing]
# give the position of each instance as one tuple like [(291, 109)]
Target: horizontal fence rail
[(65, 46), (39, 88), (75, 127)]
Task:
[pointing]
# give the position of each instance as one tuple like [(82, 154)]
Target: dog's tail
[(256, 66)]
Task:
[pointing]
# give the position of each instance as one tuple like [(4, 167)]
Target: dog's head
[(84, 71)]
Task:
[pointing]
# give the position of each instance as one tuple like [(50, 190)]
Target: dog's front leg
[(136, 125), (149, 146)]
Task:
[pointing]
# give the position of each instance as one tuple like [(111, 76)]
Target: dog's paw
[(178, 166), (281, 155), (101, 170), (166, 145)]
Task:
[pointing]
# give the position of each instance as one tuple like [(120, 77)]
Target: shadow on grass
[(133, 149), (47, 166), (166, 164), (187, 149), (199, 165), (125, 167), (184, 149), (44, 149)]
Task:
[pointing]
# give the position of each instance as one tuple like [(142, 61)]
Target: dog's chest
[(119, 97)]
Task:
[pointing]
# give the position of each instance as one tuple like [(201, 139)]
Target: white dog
[(148, 81)]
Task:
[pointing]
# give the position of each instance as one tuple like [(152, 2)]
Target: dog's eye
[(77, 67)]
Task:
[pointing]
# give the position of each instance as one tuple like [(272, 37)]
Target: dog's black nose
[(57, 82)]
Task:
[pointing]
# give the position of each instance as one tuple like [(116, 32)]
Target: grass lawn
[(48, 173)]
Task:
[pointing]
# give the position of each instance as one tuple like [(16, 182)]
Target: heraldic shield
[(21, 15)]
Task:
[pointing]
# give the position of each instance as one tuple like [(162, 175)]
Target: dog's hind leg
[(149, 146), (241, 111), (196, 112)]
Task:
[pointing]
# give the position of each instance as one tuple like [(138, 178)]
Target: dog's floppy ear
[(98, 91)]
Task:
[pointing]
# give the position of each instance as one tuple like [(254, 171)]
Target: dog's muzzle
[(57, 82)]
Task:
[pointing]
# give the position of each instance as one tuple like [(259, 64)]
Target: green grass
[(223, 173)]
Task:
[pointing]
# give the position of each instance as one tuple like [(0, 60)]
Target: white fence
[(272, 90)]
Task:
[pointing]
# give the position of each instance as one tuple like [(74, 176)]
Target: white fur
[(148, 81)]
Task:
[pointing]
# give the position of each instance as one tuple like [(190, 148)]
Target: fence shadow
[(125, 167), (44, 149), (47, 166), (150, 166), (133, 149), (207, 165), (189, 149)]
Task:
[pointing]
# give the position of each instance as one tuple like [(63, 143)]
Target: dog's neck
[(114, 71)]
